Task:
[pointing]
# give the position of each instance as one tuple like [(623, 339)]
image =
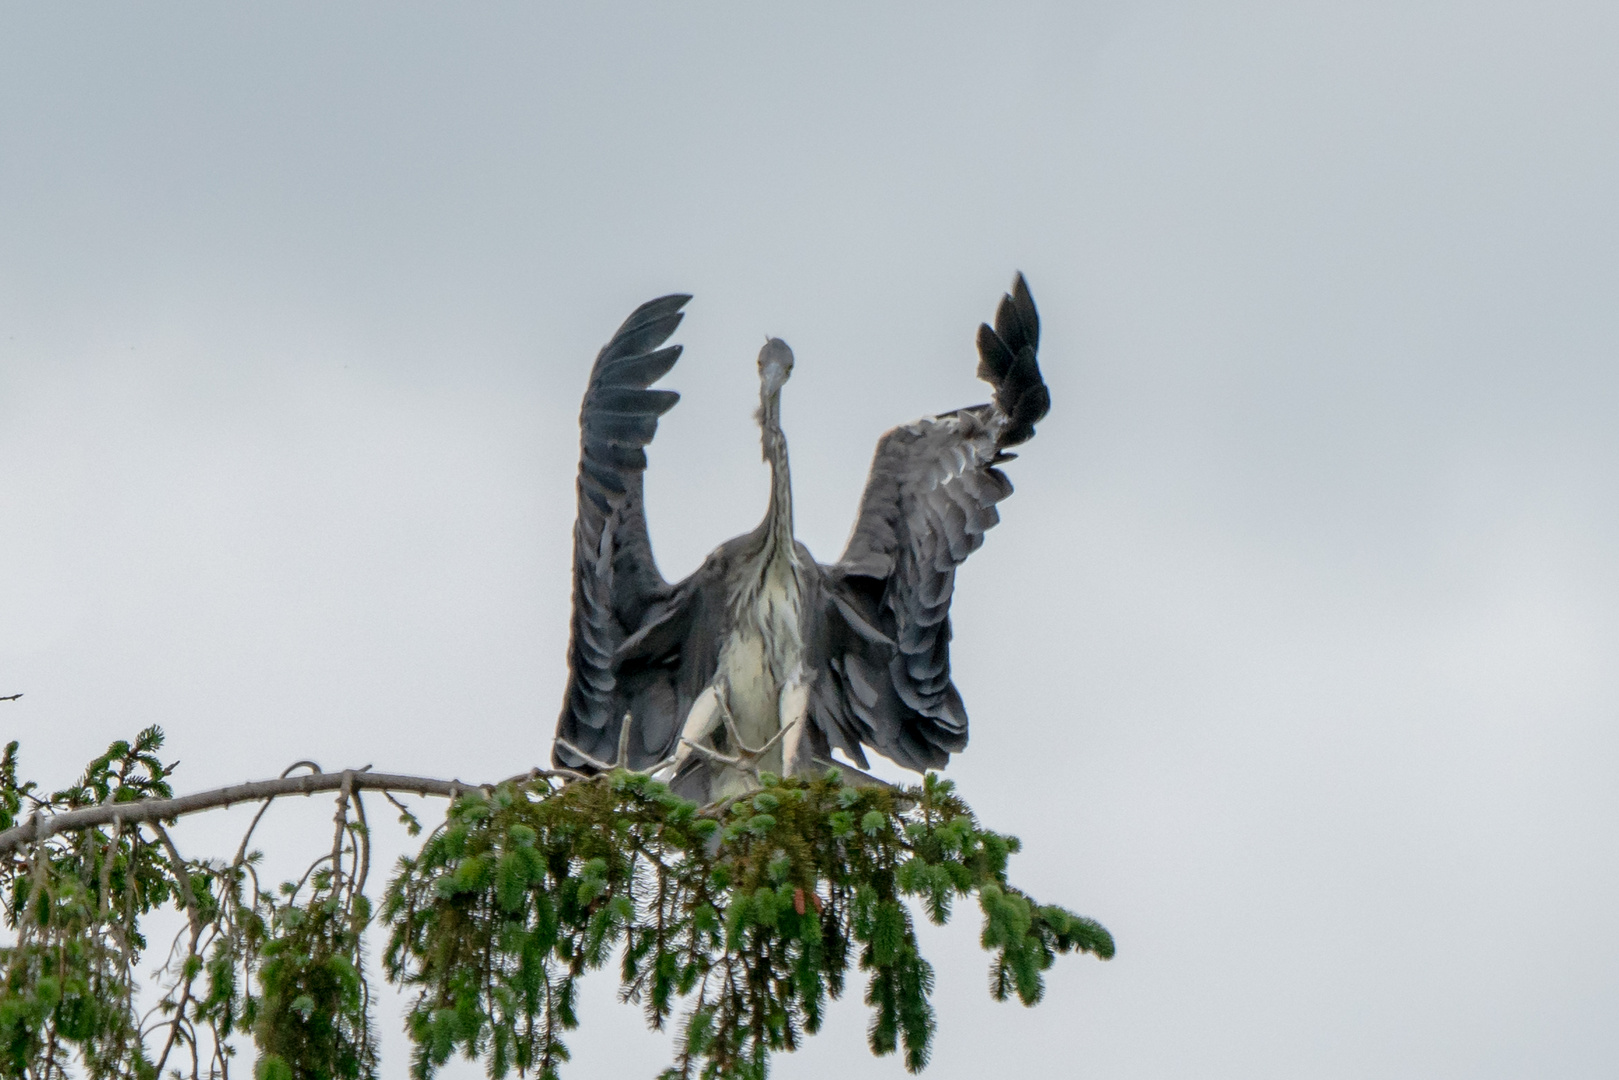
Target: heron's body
[(764, 659)]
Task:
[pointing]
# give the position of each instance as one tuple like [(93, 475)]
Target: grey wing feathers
[(929, 500), (615, 579)]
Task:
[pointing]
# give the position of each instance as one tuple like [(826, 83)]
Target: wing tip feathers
[(1007, 361)]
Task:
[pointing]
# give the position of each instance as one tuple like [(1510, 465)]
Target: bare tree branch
[(41, 826)]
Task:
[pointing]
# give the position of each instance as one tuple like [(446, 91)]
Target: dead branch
[(42, 825)]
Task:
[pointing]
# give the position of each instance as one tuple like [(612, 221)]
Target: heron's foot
[(747, 760)]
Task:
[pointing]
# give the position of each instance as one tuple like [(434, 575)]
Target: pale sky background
[(1294, 657)]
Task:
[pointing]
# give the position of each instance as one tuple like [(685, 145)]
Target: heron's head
[(775, 365)]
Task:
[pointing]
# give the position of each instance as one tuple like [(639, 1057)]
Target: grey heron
[(764, 659)]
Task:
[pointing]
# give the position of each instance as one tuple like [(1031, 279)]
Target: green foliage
[(314, 1017), (67, 981), (750, 912), (75, 903), (745, 917)]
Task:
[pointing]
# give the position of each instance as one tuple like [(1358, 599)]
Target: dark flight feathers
[(614, 575)]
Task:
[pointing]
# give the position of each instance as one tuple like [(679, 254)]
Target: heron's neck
[(779, 517)]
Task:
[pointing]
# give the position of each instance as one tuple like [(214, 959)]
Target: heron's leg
[(701, 721), (794, 713)]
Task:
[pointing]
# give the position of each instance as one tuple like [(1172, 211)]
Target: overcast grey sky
[(1294, 657)]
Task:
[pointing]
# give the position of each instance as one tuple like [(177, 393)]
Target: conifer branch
[(746, 914)]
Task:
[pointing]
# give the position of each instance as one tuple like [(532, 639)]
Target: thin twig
[(594, 762), (126, 951), (363, 861), (193, 913), (401, 806), (712, 754), (36, 885), (538, 773), (180, 1007), (722, 700), (773, 740), (241, 849), (340, 825), (671, 760)]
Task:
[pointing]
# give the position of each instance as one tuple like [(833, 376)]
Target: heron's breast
[(751, 686), (765, 650)]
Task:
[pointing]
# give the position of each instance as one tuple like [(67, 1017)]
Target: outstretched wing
[(615, 579), (929, 499)]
